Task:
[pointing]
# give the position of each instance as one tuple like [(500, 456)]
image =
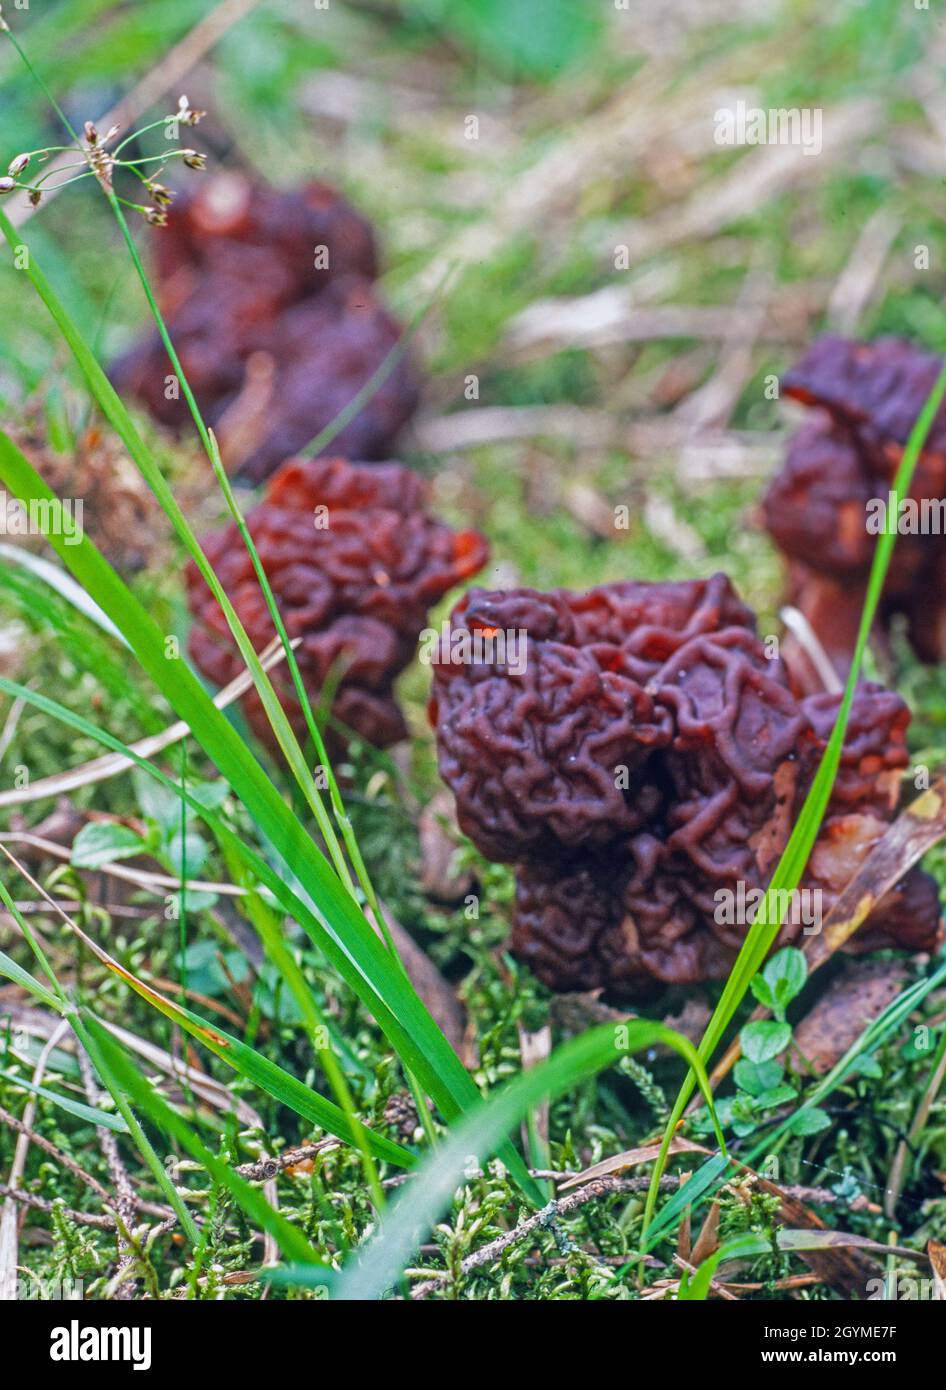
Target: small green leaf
[(764, 1040), (155, 802), (192, 901), (760, 989), (809, 1120), (702, 1122), (187, 855), (744, 1118), (210, 795), (102, 842), (785, 974), (776, 1095), (756, 1077), (867, 1065)]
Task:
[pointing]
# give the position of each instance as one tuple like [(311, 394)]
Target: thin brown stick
[(81, 1218), (148, 882), (41, 1142), (9, 1221), (560, 1206), (270, 1167), (111, 764), (126, 1202)]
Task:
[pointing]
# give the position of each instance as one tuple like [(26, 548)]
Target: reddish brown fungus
[(273, 314), (826, 506), (640, 759), (355, 562)]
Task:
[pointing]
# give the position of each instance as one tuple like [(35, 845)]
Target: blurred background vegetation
[(621, 289)]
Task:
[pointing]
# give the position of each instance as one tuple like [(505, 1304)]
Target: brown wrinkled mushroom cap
[(875, 392), (637, 753), (355, 563), (867, 397), (270, 304), (231, 225)]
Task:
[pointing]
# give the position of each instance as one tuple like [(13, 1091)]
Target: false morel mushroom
[(639, 756), (832, 497), (271, 308), (355, 561)]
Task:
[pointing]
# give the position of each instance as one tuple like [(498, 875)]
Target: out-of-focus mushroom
[(270, 304), (287, 243), (826, 506)]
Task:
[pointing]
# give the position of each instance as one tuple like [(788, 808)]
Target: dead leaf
[(920, 826), (630, 1159), (937, 1255), (691, 1021), (575, 1012), (845, 1268), (708, 1239), (536, 1048), (860, 993), (438, 850)]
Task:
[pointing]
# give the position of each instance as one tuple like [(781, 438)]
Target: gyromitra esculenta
[(634, 752), (355, 561), (832, 497), (271, 308)]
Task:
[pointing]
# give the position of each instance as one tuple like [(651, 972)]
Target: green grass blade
[(267, 1075), (24, 979), (119, 418), (251, 862), (273, 1079), (68, 1009), (768, 919), (267, 927), (286, 738), (748, 1244), (62, 584), (715, 1169), (336, 924), (291, 1241), (379, 1264), (90, 1114)]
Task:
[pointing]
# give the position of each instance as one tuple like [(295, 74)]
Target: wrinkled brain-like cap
[(355, 561), (638, 755)]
